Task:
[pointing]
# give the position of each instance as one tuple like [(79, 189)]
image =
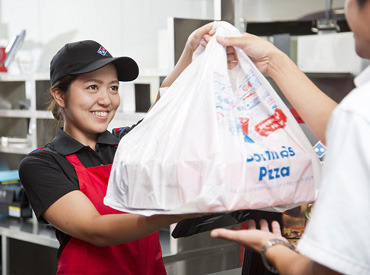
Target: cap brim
[(127, 69)]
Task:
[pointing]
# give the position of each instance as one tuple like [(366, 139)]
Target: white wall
[(278, 10), (124, 27)]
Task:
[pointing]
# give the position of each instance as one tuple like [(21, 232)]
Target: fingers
[(276, 228), (231, 41), (232, 59), (251, 224), (264, 226), (251, 237), (206, 38), (201, 36), (226, 234), (205, 30), (231, 55), (240, 42)]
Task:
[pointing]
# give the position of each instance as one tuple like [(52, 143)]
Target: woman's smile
[(100, 114)]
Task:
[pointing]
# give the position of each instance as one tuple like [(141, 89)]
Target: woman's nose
[(104, 98)]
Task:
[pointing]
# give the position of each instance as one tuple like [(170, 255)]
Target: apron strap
[(73, 159)]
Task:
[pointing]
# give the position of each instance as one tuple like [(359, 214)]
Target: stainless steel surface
[(201, 254), (28, 231)]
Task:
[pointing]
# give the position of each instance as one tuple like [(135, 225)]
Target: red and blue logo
[(102, 51)]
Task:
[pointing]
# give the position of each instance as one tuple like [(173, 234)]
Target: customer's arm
[(285, 260), (314, 106)]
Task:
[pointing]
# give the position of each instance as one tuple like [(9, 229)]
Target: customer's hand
[(259, 50), (251, 237), (232, 58)]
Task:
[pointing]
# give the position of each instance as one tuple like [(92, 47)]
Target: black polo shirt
[(47, 175)]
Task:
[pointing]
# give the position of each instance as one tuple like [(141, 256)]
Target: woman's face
[(359, 21), (91, 103)]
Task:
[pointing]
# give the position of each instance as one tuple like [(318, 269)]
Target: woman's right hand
[(261, 51)]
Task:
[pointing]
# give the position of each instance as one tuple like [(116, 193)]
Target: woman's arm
[(198, 37), (314, 106), (75, 215)]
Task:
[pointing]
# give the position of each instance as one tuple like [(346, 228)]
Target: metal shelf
[(16, 150), (28, 231), (15, 113), (44, 115)]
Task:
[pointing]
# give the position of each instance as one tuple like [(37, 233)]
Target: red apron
[(140, 257)]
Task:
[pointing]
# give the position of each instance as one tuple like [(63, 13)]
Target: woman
[(66, 181), (336, 238)]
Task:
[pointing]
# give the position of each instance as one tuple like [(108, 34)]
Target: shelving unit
[(25, 123), (14, 129)]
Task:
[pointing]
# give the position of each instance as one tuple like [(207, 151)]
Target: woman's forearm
[(184, 61), (123, 228)]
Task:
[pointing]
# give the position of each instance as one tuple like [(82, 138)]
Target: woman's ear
[(59, 97)]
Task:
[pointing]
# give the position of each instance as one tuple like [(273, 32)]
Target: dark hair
[(63, 85), (361, 3)]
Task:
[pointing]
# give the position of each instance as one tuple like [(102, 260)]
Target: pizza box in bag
[(218, 140)]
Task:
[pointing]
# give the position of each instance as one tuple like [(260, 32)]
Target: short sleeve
[(162, 90), (337, 233), (46, 177)]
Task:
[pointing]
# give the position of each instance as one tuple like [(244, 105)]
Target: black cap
[(87, 56)]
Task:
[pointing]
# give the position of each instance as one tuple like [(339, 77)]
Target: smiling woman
[(67, 180), (90, 104)]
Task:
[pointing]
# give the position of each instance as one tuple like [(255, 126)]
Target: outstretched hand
[(251, 237), (259, 50)]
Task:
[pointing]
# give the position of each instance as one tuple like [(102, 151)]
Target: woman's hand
[(200, 36), (261, 51), (251, 237)]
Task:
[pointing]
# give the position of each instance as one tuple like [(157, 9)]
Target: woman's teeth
[(100, 114)]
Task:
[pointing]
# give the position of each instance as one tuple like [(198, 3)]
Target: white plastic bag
[(212, 144)]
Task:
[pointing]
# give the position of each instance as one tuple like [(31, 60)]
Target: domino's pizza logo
[(319, 149), (102, 51)]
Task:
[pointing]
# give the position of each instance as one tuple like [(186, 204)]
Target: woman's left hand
[(200, 36)]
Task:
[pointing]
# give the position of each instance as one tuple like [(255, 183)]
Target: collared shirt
[(47, 175), (337, 233)]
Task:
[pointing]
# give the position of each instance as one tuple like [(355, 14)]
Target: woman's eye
[(92, 87), (114, 88)]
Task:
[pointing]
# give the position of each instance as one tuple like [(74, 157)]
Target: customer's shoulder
[(358, 101)]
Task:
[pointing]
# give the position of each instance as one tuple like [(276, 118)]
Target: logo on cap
[(102, 51)]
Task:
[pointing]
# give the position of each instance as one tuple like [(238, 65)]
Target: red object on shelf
[(2, 59)]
